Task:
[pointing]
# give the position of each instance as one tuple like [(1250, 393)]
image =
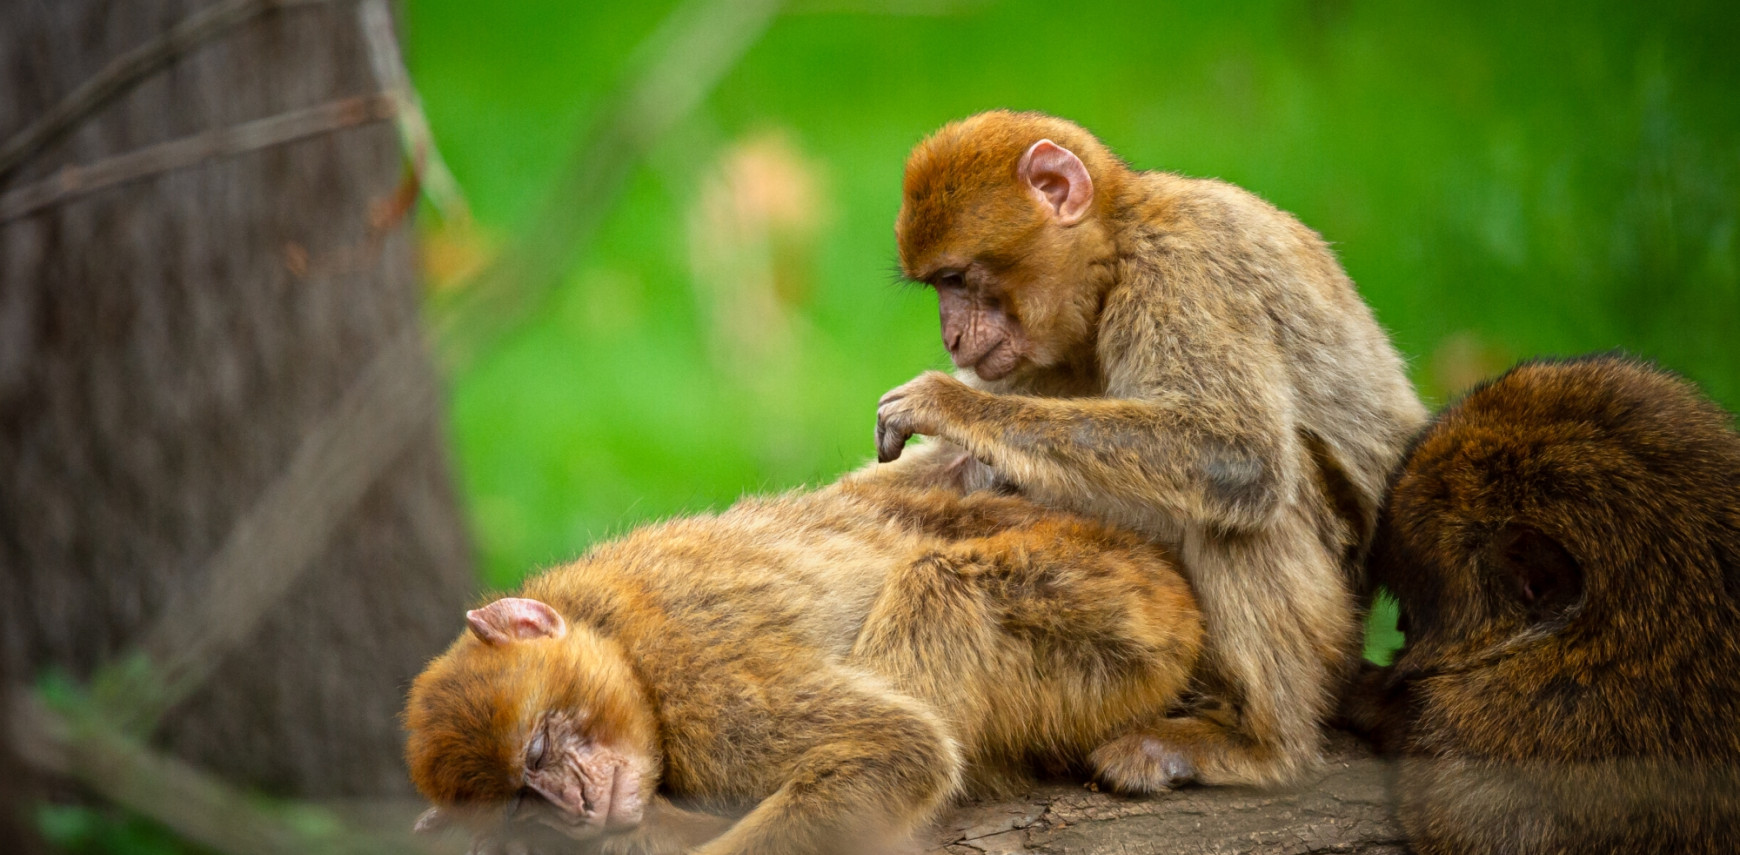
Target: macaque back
[(1565, 547), (845, 661)]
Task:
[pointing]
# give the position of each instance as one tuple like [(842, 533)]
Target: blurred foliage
[(78, 830), (93, 828), (1501, 179)]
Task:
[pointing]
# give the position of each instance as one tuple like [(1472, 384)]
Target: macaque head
[(1004, 214), (529, 717), (1585, 499)]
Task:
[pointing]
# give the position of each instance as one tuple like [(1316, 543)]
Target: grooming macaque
[(1175, 356), (1564, 544), (843, 661)]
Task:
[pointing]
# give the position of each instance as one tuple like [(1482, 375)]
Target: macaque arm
[(1192, 425), (666, 830), (879, 767)]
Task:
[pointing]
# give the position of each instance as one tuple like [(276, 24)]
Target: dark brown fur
[(842, 662), (1565, 544), (1175, 356)]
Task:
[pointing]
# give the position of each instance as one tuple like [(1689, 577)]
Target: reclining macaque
[(1564, 544), (840, 662)]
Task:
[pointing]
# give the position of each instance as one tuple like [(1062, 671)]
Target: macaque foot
[(1140, 762)]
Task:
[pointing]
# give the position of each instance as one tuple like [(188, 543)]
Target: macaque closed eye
[(535, 752)]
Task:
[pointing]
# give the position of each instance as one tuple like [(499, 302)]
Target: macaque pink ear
[(1059, 180), (513, 619), (432, 820)]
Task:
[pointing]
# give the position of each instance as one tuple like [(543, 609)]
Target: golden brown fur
[(1175, 356), (1565, 547), (844, 660)]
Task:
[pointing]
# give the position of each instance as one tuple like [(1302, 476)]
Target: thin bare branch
[(669, 75), (125, 72), (433, 177), (70, 182), (195, 805), (272, 545)]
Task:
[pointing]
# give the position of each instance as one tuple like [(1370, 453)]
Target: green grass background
[(1501, 179)]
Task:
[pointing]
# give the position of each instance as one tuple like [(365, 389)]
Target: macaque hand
[(501, 840), (909, 409), (533, 837), (503, 835), (489, 838)]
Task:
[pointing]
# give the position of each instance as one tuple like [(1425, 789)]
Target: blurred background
[(1501, 180), (660, 275)]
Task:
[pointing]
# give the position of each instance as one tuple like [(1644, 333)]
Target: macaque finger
[(891, 397), (504, 839), (432, 821), (898, 416), (891, 437)]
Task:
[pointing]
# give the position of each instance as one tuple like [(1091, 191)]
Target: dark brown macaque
[(1564, 544), (838, 664), (1175, 356)]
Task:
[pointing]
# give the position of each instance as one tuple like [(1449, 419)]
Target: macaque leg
[(1045, 638), (879, 767), (1376, 706), (1282, 639)]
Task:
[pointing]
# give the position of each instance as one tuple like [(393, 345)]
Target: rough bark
[(164, 346), (1345, 808)]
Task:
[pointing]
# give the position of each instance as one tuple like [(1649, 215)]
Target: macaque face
[(979, 324), (998, 236), (525, 720), (576, 783)]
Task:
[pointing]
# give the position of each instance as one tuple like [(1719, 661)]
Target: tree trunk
[(15, 788), (164, 346)]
